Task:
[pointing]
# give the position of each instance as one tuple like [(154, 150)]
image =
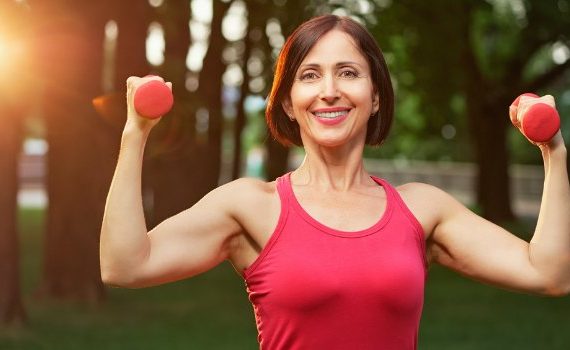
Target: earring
[(291, 117)]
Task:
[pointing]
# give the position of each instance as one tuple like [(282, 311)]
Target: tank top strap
[(284, 190), (395, 196), (391, 192)]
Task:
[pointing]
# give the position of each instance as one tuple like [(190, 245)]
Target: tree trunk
[(244, 90), (133, 18), (11, 306), (277, 159), (489, 125), (210, 90), (487, 121), (14, 94), (174, 174), (82, 149)]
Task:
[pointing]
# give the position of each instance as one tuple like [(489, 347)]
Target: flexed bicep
[(482, 250), (190, 242)]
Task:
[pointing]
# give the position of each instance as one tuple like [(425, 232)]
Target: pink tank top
[(314, 287)]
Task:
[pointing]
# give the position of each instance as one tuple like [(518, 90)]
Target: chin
[(332, 142), (342, 139)]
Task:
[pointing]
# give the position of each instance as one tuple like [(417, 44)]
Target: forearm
[(550, 246), (124, 243)]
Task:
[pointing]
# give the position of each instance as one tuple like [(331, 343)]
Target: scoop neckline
[(340, 233)]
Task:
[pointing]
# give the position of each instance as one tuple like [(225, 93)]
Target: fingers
[(516, 113), (134, 81), (549, 100), (526, 101), (536, 117), (513, 115)]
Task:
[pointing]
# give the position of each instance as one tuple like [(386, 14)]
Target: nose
[(329, 89)]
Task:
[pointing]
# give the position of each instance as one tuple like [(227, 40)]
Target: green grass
[(461, 314), (211, 311)]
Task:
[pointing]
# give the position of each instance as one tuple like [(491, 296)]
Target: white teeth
[(330, 115)]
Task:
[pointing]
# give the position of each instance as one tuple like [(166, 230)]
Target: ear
[(286, 105), (375, 103)]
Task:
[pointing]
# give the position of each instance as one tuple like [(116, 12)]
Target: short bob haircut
[(296, 49)]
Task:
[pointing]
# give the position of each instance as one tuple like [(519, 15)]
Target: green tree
[(469, 59)]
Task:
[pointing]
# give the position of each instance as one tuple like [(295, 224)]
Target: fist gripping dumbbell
[(153, 99), (540, 122)]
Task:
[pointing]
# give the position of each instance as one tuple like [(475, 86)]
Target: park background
[(456, 66)]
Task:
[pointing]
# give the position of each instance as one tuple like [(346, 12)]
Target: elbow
[(108, 278), (557, 290), (559, 284), (113, 278), (109, 275), (554, 277)]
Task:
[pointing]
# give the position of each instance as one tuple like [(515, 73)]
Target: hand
[(133, 118), (520, 110)]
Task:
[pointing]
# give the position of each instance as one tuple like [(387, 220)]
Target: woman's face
[(332, 96)]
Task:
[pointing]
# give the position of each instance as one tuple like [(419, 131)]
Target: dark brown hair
[(297, 46)]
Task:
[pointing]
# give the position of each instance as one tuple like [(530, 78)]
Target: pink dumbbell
[(153, 99), (540, 122)]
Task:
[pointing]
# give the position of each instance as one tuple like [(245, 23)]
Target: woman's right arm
[(184, 245)]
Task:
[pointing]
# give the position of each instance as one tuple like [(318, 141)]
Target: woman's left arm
[(549, 248), (484, 251)]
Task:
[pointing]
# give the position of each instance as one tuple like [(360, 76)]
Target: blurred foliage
[(425, 63), (423, 47)]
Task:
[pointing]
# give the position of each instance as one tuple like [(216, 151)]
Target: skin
[(235, 221)]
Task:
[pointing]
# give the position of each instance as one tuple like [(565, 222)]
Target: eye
[(308, 76), (348, 74)]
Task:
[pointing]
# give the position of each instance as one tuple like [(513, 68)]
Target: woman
[(333, 258)]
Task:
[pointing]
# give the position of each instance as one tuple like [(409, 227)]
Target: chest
[(342, 211), (310, 270)]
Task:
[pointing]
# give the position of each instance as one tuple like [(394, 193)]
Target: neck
[(338, 169)]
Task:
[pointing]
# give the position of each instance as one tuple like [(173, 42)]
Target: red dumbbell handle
[(540, 122), (153, 99)]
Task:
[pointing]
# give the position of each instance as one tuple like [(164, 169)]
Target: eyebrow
[(338, 64)]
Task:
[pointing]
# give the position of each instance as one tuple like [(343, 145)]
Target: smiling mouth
[(330, 115)]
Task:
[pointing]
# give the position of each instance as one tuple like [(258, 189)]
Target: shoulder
[(245, 193), (247, 187), (428, 203), (418, 191), (428, 195)]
